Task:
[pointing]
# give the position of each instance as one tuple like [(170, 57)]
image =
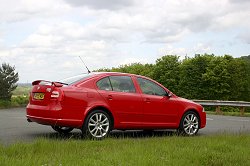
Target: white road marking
[(239, 120), (209, 119)]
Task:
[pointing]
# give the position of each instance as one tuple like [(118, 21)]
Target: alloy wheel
[(191, 124), (98, 125)]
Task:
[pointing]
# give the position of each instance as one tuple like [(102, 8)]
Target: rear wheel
[(62, 130), (97, 124), (190, 124)]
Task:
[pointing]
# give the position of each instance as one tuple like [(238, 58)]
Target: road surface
[(14, 128)]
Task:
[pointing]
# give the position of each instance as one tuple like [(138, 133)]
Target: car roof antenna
[(85, 65)]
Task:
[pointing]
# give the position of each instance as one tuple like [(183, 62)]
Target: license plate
[(39, 96)]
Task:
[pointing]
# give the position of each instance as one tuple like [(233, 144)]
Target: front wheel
[(97, 124), (190, 124), (62, 130)]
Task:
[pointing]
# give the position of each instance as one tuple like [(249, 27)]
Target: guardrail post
[(242, 110), (218, 111)]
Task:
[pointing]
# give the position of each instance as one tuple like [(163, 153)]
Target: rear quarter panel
[(74, 102), (80, 99)]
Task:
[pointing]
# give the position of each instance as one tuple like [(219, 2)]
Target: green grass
[(22, 91), (16, 101), (169, 150)]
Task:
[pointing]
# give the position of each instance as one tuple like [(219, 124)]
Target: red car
[(99, 102)]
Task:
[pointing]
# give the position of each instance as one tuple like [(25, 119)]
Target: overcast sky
[(43, 39)]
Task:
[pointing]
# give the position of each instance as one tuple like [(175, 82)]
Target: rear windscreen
[(75, 79)]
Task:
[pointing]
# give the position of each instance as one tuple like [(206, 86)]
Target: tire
[(97, 125), (62, 130), (190, 124)]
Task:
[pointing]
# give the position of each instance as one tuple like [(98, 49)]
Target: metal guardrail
[(218, 103), (223, 103)]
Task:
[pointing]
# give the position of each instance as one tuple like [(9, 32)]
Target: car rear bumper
[(47, 115)]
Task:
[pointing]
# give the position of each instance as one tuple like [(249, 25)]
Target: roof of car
[(99, 73)]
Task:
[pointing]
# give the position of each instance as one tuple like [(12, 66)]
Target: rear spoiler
[(37, 82), (56, 84)]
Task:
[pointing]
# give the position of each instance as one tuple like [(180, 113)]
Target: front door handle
[(110, 97)]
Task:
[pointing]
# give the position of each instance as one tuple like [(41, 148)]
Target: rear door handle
[(147, 100), (110, 97)]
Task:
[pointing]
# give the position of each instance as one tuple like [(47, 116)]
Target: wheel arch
[(103, 109), (191, 110)]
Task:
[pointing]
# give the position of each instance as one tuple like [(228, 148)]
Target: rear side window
[(116, 83), (122, 84), (104, 84)]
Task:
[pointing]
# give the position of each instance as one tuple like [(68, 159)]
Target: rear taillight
[(55, 94)]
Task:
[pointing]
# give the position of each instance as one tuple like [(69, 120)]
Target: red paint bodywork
[(128, 110)]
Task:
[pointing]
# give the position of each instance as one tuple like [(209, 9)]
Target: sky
[(44, 39)]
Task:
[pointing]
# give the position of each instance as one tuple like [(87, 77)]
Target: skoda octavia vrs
[(100, 102)]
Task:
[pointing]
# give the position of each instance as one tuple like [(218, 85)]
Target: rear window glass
[(75, 79)]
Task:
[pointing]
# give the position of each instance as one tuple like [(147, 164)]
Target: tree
[(133, 68), (217, 78), (8, 80), (166, 72), (192, 84), (246, 92), (239, 79)]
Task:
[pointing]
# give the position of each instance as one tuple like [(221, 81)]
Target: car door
[(158, 108), (124, 101)]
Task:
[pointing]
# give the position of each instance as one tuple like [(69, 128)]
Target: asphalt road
[(14, 128)]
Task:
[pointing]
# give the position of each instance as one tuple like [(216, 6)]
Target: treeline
[(207, 77)]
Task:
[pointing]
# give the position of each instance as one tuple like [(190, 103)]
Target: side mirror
[(168, 94)]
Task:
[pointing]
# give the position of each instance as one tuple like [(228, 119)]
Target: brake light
[(55, 94)]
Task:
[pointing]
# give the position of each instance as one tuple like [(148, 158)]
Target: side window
[(122, 84), (150, 88), (104, 84)]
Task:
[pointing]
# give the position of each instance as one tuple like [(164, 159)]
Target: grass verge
[(20, 98), (16, 101), (172, 150)]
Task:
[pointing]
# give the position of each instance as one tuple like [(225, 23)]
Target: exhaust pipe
[(29, 120)]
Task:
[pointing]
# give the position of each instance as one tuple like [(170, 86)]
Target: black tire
[(97, 125), (62, 130), (190, 124)]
